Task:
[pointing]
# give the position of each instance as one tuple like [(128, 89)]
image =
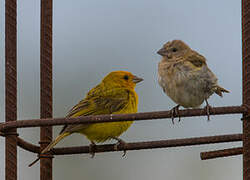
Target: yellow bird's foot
[(208, 108), (92, 149), (175, 112), (120, 143)]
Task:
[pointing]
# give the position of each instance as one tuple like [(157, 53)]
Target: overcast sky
[(92, 38)]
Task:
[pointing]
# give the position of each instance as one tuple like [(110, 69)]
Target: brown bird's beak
[(137, 79), (162, 52)]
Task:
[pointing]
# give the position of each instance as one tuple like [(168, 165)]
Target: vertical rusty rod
[(10, 88), (246, 86), (46, 84)]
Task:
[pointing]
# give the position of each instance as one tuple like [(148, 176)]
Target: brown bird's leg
[(207, 108), (92, 149), (120, 143), (175, 112)]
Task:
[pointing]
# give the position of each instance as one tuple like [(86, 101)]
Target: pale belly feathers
[(186, 88)]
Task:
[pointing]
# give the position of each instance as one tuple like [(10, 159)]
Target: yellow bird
[(114, 95)]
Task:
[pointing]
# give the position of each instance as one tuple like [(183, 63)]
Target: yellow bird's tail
[(53, 143), (219, 90)]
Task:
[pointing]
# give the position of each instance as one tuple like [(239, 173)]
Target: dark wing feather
[(113, 103), (196, 59), (105, 103)]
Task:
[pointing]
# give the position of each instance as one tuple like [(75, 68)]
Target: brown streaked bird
[(185, 77)]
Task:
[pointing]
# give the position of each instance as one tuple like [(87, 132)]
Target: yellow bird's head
[(121, 79)]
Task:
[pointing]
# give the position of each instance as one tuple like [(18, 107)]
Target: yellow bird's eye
[(126, 77)]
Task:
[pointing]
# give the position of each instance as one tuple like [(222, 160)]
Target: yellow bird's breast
[(101, 132), (105, 131)]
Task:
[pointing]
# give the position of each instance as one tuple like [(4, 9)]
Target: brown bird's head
[(175, 48)]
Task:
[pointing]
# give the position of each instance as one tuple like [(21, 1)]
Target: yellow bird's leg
[(120, 143), (175, 112), (92, 149), (207, 108)]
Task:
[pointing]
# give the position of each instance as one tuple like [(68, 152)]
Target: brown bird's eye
[(174, 49), (126, 77)]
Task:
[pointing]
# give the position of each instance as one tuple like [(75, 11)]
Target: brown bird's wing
[(105, 103), (196, 59)]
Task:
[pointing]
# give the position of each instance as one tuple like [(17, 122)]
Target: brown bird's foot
[(120, 143), (175, 112), (208, 108), (92, 149)]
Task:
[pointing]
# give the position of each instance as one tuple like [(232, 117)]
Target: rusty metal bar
[(46, 84), (146, 145), (120, 117), (152, 144), (221, 153), (149, 144), (27, 146), (10, 88), (81, 149), (246, 86)]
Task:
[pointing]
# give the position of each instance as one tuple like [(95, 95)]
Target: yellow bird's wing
[(106, 102)]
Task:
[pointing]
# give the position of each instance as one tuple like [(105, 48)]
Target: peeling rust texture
[(46, 84), (10, 88), (246, 86), (221, 153)]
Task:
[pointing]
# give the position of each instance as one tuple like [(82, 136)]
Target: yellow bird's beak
[(137, 79)]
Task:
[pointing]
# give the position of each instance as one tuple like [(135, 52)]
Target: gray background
[(92, 38)]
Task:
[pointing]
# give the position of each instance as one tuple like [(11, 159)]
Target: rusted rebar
[(120, 117), (27, 146), (145, 145), (246, 86), (152, 144), (221, 153), (179, 142), (46, 84), (10, 88)]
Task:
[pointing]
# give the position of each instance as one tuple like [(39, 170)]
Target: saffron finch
[(185, 77), (114, 95)]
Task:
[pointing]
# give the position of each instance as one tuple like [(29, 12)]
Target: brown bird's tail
[(219, 90), (54, 142)]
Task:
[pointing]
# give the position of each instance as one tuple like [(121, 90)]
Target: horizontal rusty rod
[(23, 144), (120, 117), (221, 153), (151, 144), (27, 146), (171, 143)]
